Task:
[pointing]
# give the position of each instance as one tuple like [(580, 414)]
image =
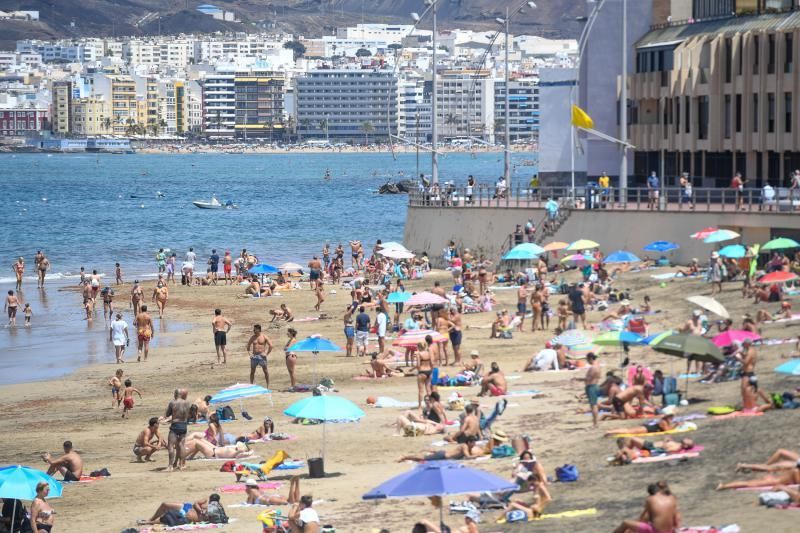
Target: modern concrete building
[(414, 109), (523, 109), (120, 91), (259, 104), (167, 109), (353, 105), (91, 116), (61, 107), (556, 149), (466, 104), (717, 97), (219, 104)]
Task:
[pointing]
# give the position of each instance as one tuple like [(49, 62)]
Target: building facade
[(219, 104), (557, 148), (259, 104), (466, 104), (22, 121), (718, 97), (91, 116), (523, 109), (61, 107), (347, 104), (414, 109)]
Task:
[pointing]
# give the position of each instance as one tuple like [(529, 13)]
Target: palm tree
[(270, 125), (451, 120), (323, 125), (130, 127), (290, 125), (367, 128), (499, 126), (106, 122), (304, 125)]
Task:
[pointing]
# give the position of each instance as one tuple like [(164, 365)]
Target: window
[(771, 54), (687, 105), (677, 112), (755, 112), (788, 52), (727, 116), (787, 112), (755, 54), (739, 55), (702, 117), (771, 112), (728, 59)]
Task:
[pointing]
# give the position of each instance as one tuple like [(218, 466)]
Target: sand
[(37, 417)]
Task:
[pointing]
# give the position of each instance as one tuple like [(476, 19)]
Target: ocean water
[(94, 210)]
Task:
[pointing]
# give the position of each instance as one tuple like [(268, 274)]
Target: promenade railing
[(701, 199)]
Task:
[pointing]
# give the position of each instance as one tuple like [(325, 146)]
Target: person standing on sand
[(144, 333), (320, 294), (456, 335), (315, 273), (118, 274), (291, 357), (326, 256), (118, 336), (357, 251), (178, 413), (257, 345), (108, 302), (137, 295), (160, 297), (12, 303), (591, 381), (213, 265), (221, 326), (19, 271), (227, 266), (42, 266)]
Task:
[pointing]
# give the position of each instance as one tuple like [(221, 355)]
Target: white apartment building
[(167, 110), (389, 33), (466, 104), (13, 61), (219, 103), (414, 109), (209, 50), (176, 53)]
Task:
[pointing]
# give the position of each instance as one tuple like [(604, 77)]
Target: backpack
[(226, 413), (567, 473), (173, 518), (670, 385), (517, 515), (228, 466), (772, 499), (216, 513), (504, 450)]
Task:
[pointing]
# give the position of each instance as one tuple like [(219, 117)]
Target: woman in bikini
[(320, 294), (160, 297), (41, 511), (665, 423), (349, 332), (256, 497), (424, 371), (19, 270), (209, 451), (291, 357), (266, 429), (213, 432), (536, 308)]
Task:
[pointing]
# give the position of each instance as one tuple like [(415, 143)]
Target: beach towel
[(186, 527), (387, 402), (737, 414), (290, 465), (673, 275), (683, 428), (85, 479), (795, 316), (666, 457), (212, 459), (776, 342), (306, 319), (733, 528), (761, 489), (565, 514), (271, 438), (362, 377), (534, 393), (243, 504), (689, 376), (240, 487)]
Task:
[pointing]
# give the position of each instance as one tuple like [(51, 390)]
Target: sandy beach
[(39, 416)]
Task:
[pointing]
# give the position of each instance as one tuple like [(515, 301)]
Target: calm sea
[(95, 210)]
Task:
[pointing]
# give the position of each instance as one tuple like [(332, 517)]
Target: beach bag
[(567, 473), (227, 466), (517, 515), (173, 518), (673, 398), (216, 513), (226, 413), (670, 385), (504, 450), (772, 499)]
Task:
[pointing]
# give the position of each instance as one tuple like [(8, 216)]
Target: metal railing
[(670, 199)]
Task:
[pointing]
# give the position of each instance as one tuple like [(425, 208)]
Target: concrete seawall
[(485, 230)]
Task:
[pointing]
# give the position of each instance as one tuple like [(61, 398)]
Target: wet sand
[(40, 416)]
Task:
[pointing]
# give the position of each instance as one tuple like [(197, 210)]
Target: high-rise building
[(466, 104), (91, 116), (219, 104), (60, 108), (347, 104), (414, 109), (259, 104), (523, 109)]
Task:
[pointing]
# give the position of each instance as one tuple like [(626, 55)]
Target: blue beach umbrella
[(621, 256), (524, 251), (315, 344), (398, 297), (733, 251), (263, 268), (661, 246), (325, 409), (655, 338), (439, 478), (789, 367), (18, 482), (240, 392)]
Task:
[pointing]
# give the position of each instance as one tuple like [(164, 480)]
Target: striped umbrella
[(579, 259), (571, 337), (410, 339), (617, 338), (239, 392), (426, 298), (721, 235), (703, 233)]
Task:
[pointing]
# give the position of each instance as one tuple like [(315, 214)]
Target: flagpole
[(572, 159)]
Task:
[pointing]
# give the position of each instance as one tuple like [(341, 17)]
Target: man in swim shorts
[(178, 412), (362, 331), (315, 272), (221, 326), (660, 513), (144, 333), (70, 465), (161, 261), (148, 442), (591, 381), (495, 383), (257, 345)]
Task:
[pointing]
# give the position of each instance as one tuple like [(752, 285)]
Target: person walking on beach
[(257, 346), (160, 297), (12, 302), (161, 261), (108, 302), (127, 397), (591, 382), (227, 266), (42, 266), (144, 333), (221, 326), (118, 274), (118, 336), (315, 273), (178, 413), (19, 271), (213, 265), (137, 295)]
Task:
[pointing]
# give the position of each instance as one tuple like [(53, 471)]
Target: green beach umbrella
[(781, 243), (691, 347)]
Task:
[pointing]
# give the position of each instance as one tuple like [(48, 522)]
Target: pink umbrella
[(734, 335), (409, 339), (703, 233), (778, 277), (426, 298)]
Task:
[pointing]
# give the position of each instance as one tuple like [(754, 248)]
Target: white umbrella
[(290, 266), (396, 253), (392, 246), (710, 304)]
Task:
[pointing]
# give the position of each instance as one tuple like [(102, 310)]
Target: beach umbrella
[(582, 244), (789, 367), (571, 337), (721, 235), (709, 304), (661, 246), (580, 350), (290, 267), (691, 347), (314, 344), (409, 339), (778, 277), (426, 298), (621, 256), (18, 482), (617, 338), (579, 259), (734, 335), (703, 233), (439, 478), (523, 251), (396, 253), (392, 246), (555, 246), (398, 297), (733, 251), (781, 243), (263, 268), (655, 338), (325, 409), (240, 392)]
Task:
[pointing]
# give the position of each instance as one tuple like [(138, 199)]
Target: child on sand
[(563, 314), (118, 273), (127, 397), (88, 307), (28, 314), (116, 384)]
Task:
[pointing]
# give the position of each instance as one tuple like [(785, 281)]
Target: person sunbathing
[(193, 512), (534, 509), (780, 460), (692, 270), (266, 429), (256, 497), (462, 451), (783, 477), (622, 402), (209, 451), (379, 369), (529, 472), (284, 313), (665, 423), (431, 420), (630, 448)]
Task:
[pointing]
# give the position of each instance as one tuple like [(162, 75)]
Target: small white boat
[(215, 204)]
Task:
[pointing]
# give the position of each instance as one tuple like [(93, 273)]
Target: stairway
[(541, 234)]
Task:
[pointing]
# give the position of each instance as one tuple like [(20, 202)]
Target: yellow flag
[(580, 119)]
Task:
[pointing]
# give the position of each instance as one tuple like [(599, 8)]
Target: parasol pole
[(13, 515), (324, 423)]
